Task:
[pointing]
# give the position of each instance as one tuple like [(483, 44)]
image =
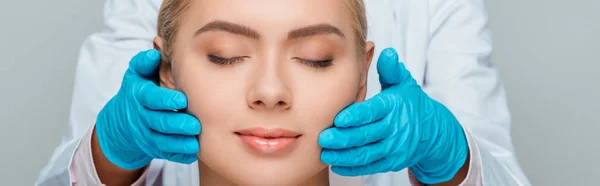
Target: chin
[(275, 177), (249, 170), (270, 180)]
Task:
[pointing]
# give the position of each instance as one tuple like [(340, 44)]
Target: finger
[(145, 63), (356, 156), (169, 122), (380, 166), (155, 97), (170, 143), (180, 158), (342, 138), (390, 70), (365, 112)]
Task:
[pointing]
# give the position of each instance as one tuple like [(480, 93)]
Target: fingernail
[(197, 126), (326, 158), (344, 117), (153, 54), (195, 147), (390, 52), (325, 138), (191, 125), (180, 100)]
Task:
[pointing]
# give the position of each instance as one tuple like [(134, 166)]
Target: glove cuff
[(445, 157), (115, 155)]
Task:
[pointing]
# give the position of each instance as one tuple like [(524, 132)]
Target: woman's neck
[(208, 177)]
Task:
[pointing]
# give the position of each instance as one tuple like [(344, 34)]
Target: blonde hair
[(172, 11), (170, 16), (359, 22)]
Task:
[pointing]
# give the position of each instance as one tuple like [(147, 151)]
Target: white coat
[(446, 44)]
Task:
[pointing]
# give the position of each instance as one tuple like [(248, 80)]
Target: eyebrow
[(229, 27), (319, 29)]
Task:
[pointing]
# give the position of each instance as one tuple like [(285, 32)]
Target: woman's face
[(265, 78)]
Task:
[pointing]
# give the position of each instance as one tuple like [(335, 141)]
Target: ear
[(164, 71), (362, 88)]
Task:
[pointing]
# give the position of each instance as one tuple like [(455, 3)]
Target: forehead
[(270, 15)]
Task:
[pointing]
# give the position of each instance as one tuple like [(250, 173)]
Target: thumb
[(391, 71), (145, 63)]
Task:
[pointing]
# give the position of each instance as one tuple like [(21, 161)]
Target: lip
[(268, 141)]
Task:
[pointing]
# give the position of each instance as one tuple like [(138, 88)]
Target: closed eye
[(224, 61), (323, 63)]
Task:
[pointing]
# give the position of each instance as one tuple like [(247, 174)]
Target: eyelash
[(311, 63), (224, 61), (317, 63)]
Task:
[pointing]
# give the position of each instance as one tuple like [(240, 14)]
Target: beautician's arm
[(460, 176), (87, 170), (109, 173), (131, 130), (461, 76), (129, 28)]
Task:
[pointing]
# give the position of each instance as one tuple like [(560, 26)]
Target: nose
[(269, 92)]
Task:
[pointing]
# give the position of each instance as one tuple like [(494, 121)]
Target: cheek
[(211, 95), (321, 96)]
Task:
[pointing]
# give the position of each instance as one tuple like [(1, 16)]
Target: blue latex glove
[(401, 127), (139, 123)]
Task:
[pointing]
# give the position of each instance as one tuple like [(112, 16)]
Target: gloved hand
[(139, 123), (401, 127)]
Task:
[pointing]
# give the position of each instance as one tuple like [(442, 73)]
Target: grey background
[(546, 51)]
